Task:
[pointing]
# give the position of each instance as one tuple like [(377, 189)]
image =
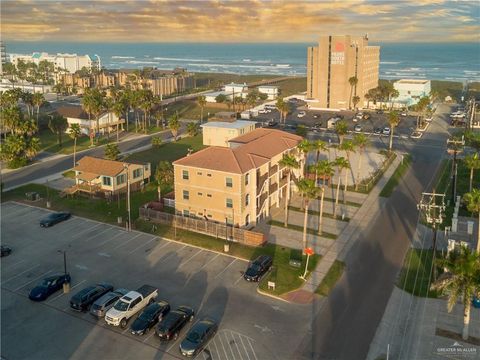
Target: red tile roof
[(93, 165)]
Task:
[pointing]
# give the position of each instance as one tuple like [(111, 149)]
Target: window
[(247, 178), (228, 182), (247, 199), (247, 220), (186, 195), (199, 173), (229, 203), (209, 195), (121, 179), (107, 181), (209, 215), (137, 173), (185, 174), (200, 194), (209, 175), (186, 213)]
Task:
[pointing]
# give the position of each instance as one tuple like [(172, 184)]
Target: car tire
[(150, 301), (123, 323)]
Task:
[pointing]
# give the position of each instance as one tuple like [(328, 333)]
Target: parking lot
[(317, 120), (251, 326)]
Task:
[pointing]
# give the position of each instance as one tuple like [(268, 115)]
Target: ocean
[(446, 61)]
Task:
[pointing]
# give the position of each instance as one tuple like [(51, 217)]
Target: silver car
[(102, 305)]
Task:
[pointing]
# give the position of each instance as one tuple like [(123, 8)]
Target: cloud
[(231, 21)]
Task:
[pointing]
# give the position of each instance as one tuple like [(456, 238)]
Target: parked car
[(403, 113), (476, 302), (83, 299), (354, 119), (173, 323), (316, 116), (416, 135), (129, 304), (377, 131), (198, 336), (6, 250), (149, 317), (48, 286), (54, 218), (262, 111), (359, 115), (386, 130), (366, 116), (301, 114), (272, 123), (104, 303), (357, 128), (258, 267)]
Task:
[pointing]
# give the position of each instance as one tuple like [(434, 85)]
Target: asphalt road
[(345, 324), (53, 166)]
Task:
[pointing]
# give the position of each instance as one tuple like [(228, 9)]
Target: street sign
[(308, 251)]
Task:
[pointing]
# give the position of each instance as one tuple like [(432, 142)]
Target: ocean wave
[(282, 65), (142, 62), (180, 59), (389, 62), (246, 60), (122, 57)]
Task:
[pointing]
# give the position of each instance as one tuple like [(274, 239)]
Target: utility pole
[(129, 227), (456, 145), (432, 206)]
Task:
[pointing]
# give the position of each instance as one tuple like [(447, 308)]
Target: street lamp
[(129, 225), (66, 284)]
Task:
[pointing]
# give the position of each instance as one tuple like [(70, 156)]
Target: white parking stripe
[(76, 236), (60, 295), (244, 348), (229, 346), (152, 332), (112, 238), (126, 242), (212, 259), (251, 347), (138, 247), (9, 214), (99, 233), (221, 343), (236, 345), (216, 348), (236, 282), (220, 273), (13, 265), (190, 258), (23, 272), (49, 271)]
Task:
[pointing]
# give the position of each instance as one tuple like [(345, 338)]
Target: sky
[(238, 20)]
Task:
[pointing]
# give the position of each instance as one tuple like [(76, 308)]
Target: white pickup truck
[(129, 304)]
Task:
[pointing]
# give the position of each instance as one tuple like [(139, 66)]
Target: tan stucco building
[(219, 133), (332, 63), (237, 184)]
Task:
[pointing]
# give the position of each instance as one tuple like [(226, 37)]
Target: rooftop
[(96, 166), (267, 87), (73, 111), (258, 147), (239, 124)]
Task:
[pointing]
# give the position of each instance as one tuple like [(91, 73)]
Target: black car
[(173, 323), (5, 250), (377, 131), (150, 316), (379, 111), (82, 300), (198, 337), (54, 218), (48, 286), (258, 267)]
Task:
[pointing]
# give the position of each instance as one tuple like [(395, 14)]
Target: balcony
[(260, 182), (272, 188), (273, 170)]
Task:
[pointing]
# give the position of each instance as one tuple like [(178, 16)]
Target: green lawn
[(168, 151), (417, 274), (300, 228), (286, 277), (292, 86), (447, 88), (329, 281), (397, 175), (49, 142), (317, 213)]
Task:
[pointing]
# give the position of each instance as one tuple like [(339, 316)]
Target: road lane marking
[(38, 277), (126, 242), (225, 268), (190, 258), (23, 272), (138, 247)]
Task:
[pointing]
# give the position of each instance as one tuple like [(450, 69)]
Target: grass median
[(397, 175), (333, 275), (300, 228), (317, 213)]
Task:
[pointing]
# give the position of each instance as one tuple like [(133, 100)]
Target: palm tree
[(290, 163), (355, 100), (361, 142), (394, 94), (192, 128), (341, 128), (58, 124), (318, 146), (163, 176), (202, 101), (75, 133), (348, 146), (393, 120), (304, 146), (308, 191), (120, 107), (473, 163), (460, 281), (472, 200), (324, 169), (37, 100), (112, 151), (353, 81), (174, 125), (341, 164)]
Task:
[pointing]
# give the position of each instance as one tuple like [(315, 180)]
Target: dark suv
[(82, 300), (172, 324), (258, 267)]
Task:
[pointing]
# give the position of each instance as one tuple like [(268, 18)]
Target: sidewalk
[(360, 221)]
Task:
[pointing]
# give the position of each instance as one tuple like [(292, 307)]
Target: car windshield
[(149, 313), (46, 282), (194, 337), (255, 267), (121, 305)]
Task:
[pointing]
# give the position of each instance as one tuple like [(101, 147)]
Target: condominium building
[(3, 56), (219, 133), (236, 184), (332, 63), (71, 63), (410, 91)]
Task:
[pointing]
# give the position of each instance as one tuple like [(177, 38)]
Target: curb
[(261, 292)]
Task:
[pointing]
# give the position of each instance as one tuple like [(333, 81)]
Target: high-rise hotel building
[(332, 63)]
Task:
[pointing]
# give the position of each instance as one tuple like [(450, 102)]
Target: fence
[(367, 184), (169, 202), (218, 230)]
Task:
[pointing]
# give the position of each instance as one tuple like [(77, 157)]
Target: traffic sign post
[(308, 252)]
